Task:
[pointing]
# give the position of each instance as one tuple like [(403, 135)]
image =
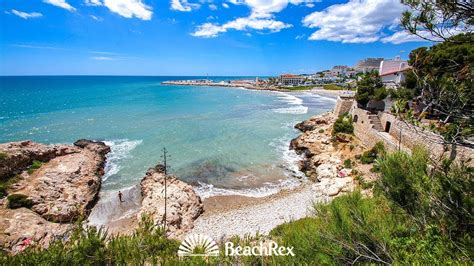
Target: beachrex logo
[(198, 245), (202, 245)]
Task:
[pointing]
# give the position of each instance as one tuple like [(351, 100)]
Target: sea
[(223, 141)]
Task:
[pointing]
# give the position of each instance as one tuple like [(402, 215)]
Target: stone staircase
[(375, 122)]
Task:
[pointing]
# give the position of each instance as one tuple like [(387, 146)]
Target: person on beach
[(120, 196)]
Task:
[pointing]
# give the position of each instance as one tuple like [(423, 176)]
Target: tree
[(370, 87), (438, 20), (444, 82)]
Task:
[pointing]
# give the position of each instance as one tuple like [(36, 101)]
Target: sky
[(196, 37)]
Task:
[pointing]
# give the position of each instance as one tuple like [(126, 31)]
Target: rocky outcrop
[(314, 122), (66, 187), (183, 204), (17, 156), (321, 162), (21, 228), (62, 188)]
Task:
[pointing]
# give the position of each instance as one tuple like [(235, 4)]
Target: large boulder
[(183, 204)]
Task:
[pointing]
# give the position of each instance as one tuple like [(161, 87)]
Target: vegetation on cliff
[(420, 214)]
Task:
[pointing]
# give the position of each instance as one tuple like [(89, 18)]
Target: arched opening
[(355, 119)]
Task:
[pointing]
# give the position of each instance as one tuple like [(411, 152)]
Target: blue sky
[(179, 37)]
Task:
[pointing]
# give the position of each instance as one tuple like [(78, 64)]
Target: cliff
[(60, 182)]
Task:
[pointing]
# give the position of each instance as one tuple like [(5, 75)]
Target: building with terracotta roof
[(290, 79)]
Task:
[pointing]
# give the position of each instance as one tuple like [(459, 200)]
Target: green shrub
[(321, 130), (6, 183), (343, 124), (371, 155), (348, 163), (3, 190), (34, 166), (18, 201), (333, 87), (3, 156)]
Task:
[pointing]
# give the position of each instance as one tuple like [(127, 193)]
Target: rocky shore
[(59, 183)]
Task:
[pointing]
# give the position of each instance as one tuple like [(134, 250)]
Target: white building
[(393, 72), (290, 79)]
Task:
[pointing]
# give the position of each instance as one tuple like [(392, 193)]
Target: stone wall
[(343, 105), (400, 135)]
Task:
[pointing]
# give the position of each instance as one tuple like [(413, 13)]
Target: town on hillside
[(340, 77)]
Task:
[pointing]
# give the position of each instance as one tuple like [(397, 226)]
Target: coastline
[(315, 90)]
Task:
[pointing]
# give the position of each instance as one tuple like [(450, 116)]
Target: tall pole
[(166, 174)]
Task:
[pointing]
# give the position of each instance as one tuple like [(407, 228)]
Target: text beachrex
[(203, 245)]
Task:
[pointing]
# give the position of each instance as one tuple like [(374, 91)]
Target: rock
[(183, 204), (322, 161), (22, 227), (313, 123), (20, 155), (326, 170), (66, 187), (343, 138)]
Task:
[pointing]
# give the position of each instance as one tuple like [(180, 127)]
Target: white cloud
[(61, 4), (210, 30), (102, 58), (299, 37), (130, 8), (261, 17), (212, 7), (96, 18), (358, 21), (26, 15), (93, 2), (183, 5)]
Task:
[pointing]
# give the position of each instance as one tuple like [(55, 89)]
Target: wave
[(119, 150), (205, 190), (298, 110), (290, 158), (296, 104)]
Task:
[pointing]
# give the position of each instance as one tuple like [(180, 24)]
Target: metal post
[(166, 174)]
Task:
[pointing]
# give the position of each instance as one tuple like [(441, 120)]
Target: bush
[(348, 163), (333, 87), (349, 229), (16, 201), (6, 183), (3, 190), (343, 124), (371, 155), (3, 156), (34, 166)]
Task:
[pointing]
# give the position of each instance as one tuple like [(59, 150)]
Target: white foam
[(299, 110), (296, 104), (205, 190), (119, 150)]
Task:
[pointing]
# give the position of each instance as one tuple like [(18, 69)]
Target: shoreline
[(316, 89)]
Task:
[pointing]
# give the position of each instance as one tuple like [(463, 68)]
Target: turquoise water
[(222, 140)]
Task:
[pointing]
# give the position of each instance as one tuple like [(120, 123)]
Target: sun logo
[(198, 245)]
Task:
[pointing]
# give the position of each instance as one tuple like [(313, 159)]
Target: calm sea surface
[(222, 140)]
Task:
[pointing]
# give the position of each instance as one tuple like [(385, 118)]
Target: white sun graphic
[(198, 245)]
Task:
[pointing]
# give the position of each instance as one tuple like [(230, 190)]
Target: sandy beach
[(227, 216)]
